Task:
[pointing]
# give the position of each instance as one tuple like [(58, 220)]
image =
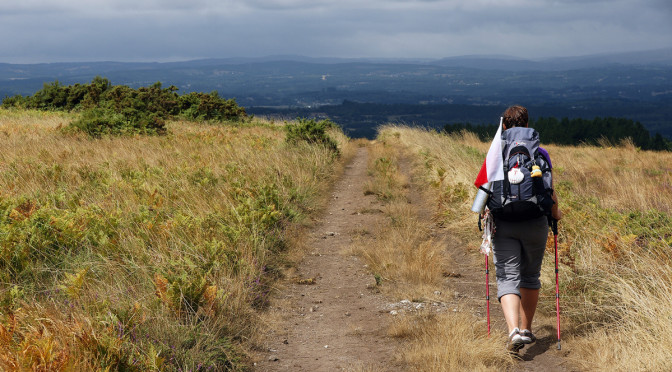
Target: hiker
[(519, 246)]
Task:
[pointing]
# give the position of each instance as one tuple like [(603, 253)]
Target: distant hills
[(661, 57), (637, 86)]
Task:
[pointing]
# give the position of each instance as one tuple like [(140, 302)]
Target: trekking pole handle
[(553, 223)]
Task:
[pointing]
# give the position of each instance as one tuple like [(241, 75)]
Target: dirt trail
[(339, 321)]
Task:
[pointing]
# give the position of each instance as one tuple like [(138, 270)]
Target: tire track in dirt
[(335, 320)]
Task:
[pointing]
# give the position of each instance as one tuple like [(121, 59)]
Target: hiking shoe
[(527, 336), (515, 341)]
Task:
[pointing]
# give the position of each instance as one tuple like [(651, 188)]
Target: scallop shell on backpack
[(515, 176)]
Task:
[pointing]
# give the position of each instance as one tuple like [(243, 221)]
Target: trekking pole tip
[(559, 346)]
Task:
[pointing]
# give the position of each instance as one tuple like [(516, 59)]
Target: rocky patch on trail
[(408, 306)]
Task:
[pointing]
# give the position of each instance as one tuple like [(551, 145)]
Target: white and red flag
[(493, 165)]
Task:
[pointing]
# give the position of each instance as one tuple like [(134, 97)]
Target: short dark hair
[(515, 116)]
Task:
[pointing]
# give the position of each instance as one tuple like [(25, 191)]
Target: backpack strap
[(486, 190), (506, 185)]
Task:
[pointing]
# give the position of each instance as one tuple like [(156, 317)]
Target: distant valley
[(360, 94)]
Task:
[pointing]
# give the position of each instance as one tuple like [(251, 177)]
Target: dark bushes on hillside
[(313, 132), (119, 109), (98, 121), (207, 107)]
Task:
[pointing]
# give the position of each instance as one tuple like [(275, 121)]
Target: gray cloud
[(49, 30)]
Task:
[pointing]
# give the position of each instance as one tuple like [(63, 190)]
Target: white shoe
[(527, 336), (515, 341)]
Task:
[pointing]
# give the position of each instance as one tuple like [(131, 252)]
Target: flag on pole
[(493, 165)]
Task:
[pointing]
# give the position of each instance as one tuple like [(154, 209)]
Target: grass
[(400, 250), (433, 343), (158, 253), (409, 263), (614, 241), (146, 253)]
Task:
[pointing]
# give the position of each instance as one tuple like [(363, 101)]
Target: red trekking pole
[(554, 227), (487, 290)]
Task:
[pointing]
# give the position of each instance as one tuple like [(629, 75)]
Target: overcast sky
[(34, 31)]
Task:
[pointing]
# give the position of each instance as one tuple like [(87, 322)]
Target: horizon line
[(293, 57)]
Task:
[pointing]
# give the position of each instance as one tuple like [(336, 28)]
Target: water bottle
[(481, 198)]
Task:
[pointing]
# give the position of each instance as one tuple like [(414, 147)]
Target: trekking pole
[(554, 227), (487, 290), (487, 271)]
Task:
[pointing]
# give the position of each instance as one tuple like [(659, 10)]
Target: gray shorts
[(518, 252)]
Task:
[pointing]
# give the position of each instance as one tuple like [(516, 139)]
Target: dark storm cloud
[(49, 30)]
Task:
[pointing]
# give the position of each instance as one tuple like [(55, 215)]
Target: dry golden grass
[(409, 264), (614, 241), (449, 342), (446, 165), (402, 250), (636, 336), (146, 252), (386, 182), (407, 254)]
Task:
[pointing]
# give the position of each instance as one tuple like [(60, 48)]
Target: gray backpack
[(525, 192)]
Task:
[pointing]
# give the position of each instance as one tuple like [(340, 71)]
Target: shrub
[(313, 132), (99, 121), (209, 106), (17, 101), (119, 109)]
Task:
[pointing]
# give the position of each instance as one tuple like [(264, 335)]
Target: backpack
[(520, 196)]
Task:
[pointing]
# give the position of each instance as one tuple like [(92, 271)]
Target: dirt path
[(336, 323), (332, 319)]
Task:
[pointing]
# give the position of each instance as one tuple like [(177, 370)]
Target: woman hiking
[(519, 246)]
